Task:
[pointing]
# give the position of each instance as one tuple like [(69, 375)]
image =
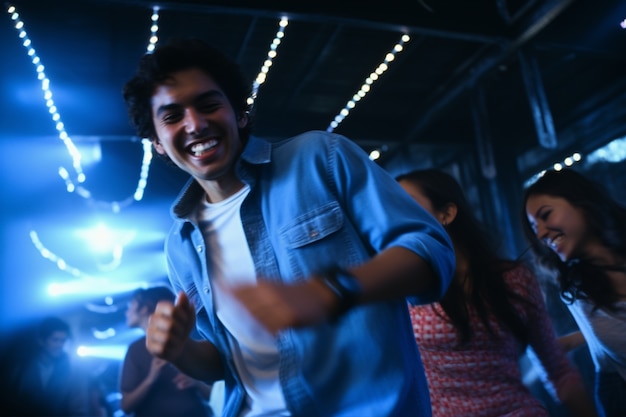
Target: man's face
[(53, 345), (196, 126), (133, 315)]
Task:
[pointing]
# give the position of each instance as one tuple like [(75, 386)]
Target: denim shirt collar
[(256, 152)]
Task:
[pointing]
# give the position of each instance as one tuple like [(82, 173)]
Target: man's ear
[(157, 145), (448, 214), (242, 121)]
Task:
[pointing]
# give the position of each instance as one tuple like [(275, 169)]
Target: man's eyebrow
[(209, 94), (167, 107)]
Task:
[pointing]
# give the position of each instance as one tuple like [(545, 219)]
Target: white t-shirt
[(230, 263), (605, 334)]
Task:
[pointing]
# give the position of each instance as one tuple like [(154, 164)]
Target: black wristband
[(345, 286)]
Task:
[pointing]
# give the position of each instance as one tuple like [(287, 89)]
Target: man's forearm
[(395, 273)]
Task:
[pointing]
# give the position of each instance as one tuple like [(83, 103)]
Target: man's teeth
[(199, 148)]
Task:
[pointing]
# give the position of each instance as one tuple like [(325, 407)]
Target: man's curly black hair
[(176, 55)]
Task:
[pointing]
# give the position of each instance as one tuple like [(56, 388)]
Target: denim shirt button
[(199, 248), (313, 233)]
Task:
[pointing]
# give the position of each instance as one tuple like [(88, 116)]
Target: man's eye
[(171, 118)]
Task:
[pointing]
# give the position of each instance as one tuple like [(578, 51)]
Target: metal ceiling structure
[(558, 57)]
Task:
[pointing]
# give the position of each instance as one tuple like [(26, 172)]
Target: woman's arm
[(564, 376), (575, 397), (571, 341)]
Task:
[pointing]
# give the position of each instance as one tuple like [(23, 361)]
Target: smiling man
[(293, 259)]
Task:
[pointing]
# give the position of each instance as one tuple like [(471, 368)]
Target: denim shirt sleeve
[(388, 216), (370, 200)]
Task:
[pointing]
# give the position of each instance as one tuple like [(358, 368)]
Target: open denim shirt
[(317, 201)]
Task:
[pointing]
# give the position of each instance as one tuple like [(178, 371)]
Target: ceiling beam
[(458, 21), (539, 20)]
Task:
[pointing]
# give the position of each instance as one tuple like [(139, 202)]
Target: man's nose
[(194, 122)]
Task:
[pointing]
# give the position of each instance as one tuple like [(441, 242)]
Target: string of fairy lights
[(47, 93), (75, 181), (76, 184), (154, 29), (267, 64), (367, 84)]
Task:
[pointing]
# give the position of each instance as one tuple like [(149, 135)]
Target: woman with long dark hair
[(471, 341), (578, 231)]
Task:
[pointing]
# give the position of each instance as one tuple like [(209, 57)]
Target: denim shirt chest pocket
[(300, 235), (312, 226)]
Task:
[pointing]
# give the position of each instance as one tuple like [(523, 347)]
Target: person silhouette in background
[(47, 383), (152, 387), (472, 340), (578, 232)]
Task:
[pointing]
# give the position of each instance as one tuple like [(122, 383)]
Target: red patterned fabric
[(482, 378)]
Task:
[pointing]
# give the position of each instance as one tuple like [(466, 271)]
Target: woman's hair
[(606, 220), (486, 268), (150, 297), (177, 55)]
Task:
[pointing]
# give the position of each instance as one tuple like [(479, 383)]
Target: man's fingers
[(160, 326), (169, 327), (186, 311), (182, 300)]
